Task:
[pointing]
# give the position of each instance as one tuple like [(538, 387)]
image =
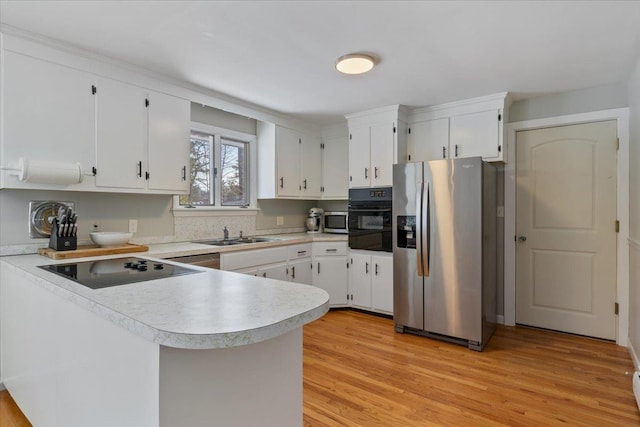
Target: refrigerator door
[(408, 300), (453, 290)]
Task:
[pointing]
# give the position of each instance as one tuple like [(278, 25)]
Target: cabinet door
[(48, 112), (251, 271), (330, 274), (274, 271), (428, 140), (475, 134), (288, 148), (311, 167), (382, 149), (382, 283), (360, 280), (359, 157), (300, 271), (169, 122), (120, 135), (335, 168)]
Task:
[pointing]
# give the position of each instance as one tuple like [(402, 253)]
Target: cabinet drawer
[(300, 251), (244, 259), (329, 248)]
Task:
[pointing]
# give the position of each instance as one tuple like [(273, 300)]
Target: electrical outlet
[(133, 226), (279, 220), (500, 212)]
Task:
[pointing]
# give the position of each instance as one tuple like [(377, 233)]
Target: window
[(219, 171)]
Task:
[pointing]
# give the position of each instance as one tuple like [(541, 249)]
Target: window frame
[(232, 136)]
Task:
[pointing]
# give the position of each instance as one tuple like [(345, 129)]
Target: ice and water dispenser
[(406, 232)]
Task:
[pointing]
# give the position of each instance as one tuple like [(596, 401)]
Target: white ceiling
[(280, 55)]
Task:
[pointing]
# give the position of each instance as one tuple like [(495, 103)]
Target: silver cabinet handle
[(444, 152), (140, 168), (376, 269), (281, 182), (366, 268), (305, 184), (318, 268), (366, 173), (293, 272), (184, 173), (456, 150), (331, 250), (522, 238), (375, 172), (264, 274)]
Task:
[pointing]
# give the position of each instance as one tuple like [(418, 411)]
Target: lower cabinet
[(371, 281), (287, 263), (330, 271)]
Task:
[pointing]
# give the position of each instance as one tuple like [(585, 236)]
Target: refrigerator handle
[(419, 224), (425, 236)]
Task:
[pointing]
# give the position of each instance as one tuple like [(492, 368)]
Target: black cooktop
[(116, 272)]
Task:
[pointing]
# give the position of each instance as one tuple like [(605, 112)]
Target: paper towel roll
[(49, 172)]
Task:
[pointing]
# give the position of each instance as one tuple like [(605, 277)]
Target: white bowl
[(108, 239)]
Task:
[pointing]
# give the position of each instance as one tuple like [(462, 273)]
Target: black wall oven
[(370, 219)]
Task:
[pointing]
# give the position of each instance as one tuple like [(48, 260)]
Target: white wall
[(634, 210), (578, 101)]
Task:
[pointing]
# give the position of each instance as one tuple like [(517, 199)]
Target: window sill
[(211, 211)]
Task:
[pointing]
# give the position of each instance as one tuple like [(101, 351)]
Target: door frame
[(621, 115)]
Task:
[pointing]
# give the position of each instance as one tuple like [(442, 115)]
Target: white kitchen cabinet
[(120, 135), (360, 280), (288, 263), (335, 168), (468, 128), (476, 134), (289, 163), (382, 283), (377, 139), (428, 140), (371, 281), (330, 271), (142, 139), (48, 114)]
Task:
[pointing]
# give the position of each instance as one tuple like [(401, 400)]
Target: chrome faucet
[(226, 233)]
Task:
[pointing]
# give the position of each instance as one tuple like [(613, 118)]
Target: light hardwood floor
[(359, 372)]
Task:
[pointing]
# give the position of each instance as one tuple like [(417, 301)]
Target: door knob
[(522, 238)]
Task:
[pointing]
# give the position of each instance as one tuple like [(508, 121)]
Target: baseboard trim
[(633, 354)]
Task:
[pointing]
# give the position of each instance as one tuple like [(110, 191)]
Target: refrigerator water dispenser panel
[(406, 232)]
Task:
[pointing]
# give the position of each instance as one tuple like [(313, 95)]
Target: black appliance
[(116, 272), (370, 219)]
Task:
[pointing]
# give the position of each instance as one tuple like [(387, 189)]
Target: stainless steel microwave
[(335, 222)]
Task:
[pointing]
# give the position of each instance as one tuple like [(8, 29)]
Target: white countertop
[(209, 309)]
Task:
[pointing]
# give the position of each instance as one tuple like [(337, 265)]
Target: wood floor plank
[(359, 372)]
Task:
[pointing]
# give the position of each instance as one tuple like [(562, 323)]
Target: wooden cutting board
[(91, 250)]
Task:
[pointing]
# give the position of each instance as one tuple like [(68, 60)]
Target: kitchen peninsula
[(209, 348)]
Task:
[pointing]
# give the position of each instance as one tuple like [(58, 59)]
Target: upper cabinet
[(142, 138), (469, 128), (126, 138), (377, 139), (48, 114), (289, 163), (335, 168)]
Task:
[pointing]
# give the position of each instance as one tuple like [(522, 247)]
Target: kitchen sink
[(236, 241)]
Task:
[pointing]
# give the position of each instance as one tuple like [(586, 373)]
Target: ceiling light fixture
[(354, 63)]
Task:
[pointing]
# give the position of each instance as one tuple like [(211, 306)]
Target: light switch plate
[(279, 220), (133, 226)]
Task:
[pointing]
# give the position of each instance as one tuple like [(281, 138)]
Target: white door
[(311, 167), (330, 274), (475, 134), (566, 213), (120, 135), (359, 157), (335, 168), (300, 271), (382, 283), (428, 140), (288, 152), (169, 122), (360, 280), (382, 149)]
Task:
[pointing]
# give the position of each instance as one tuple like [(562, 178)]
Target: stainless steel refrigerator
[(444, 249)]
